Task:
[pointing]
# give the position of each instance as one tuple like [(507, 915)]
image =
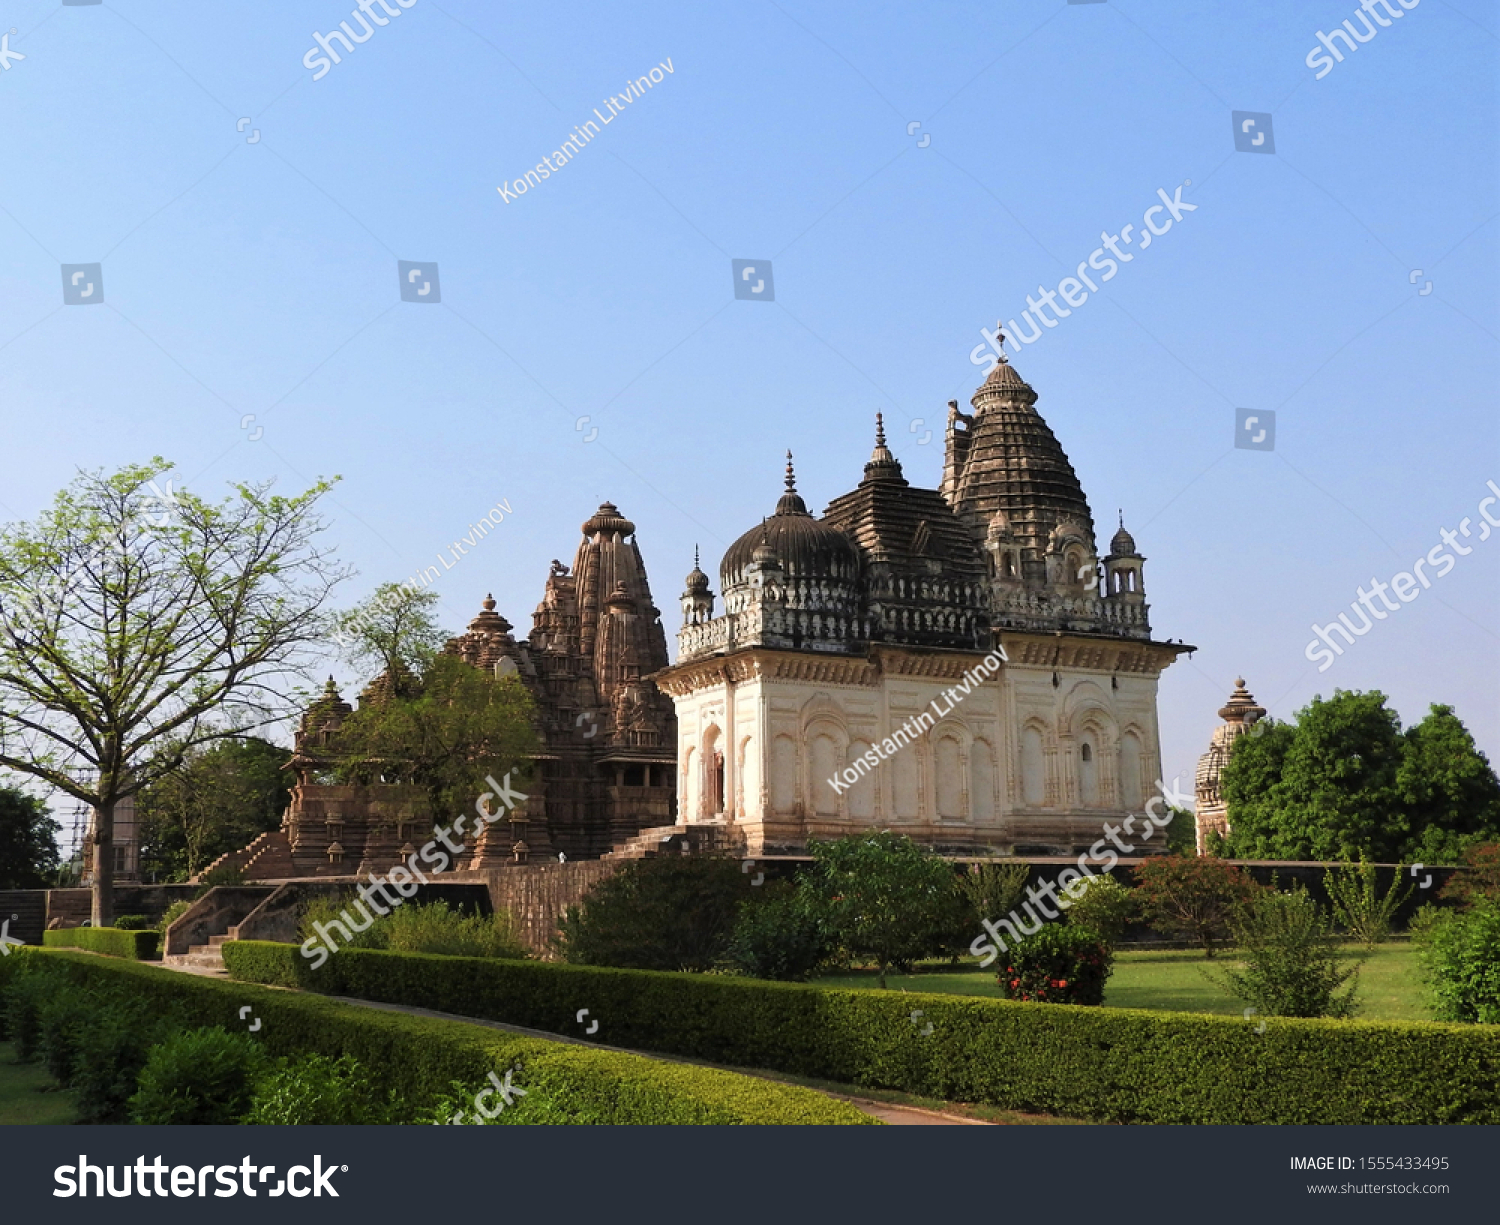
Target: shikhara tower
[(836, 631)]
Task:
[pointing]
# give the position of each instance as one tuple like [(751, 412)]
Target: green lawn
[(1390, 984), (28, 1094)]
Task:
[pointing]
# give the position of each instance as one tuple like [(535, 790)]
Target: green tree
[(29, 856), (217, 800), (1193, 898), (1182, 832), (139, 623), (887, 897), (664, 913), (392, 634), (1448, 788), (1344, 781), (445, 733)]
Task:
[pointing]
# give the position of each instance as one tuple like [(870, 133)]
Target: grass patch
[(28, 1095), (1172, 980)]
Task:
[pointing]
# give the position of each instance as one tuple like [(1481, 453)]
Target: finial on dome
[(791, 478), (1000, 341), (880, 429), (488, 603), (695, 558)]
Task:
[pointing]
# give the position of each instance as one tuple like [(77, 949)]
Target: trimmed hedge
[(111, 941), (420, 1057), (1110, 1065)]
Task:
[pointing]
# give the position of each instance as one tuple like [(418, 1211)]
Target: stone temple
[(836, 634), (851, 636), (1210, 811), (606, 767)]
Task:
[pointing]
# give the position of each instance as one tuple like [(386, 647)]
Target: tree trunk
[(103, 912)]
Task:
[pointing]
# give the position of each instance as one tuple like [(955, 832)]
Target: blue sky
[(259, 279)]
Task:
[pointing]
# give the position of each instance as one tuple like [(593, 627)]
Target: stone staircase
[(203, 956), (269, 857), (194, 938), (672, 840)]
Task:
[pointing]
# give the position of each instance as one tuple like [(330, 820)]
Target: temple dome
[(608, 520), (697, 581), (1122, 544), (1008, 460), (800, 546)]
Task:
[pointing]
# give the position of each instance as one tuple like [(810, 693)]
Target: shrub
[(1359, 906), (173, 912), (63, 1018), (225, 874), (1291, 959), (111, 941), (326, 909), (1103, 905), (1481, 881), (1425, 921), (316, 1089), (1104, 1064), (132, 922), (414, 1056), (438, 928), (667, 913), (1193, 897), (1462, 959), (785, 937), (200, 1076), (1060, 964), (25, 994), (112, 1053), (993, 889), (887, 897)]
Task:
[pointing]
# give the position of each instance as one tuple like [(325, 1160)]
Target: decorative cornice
[(1097, 654)]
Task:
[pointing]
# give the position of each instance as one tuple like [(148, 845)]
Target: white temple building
[(840, 687)]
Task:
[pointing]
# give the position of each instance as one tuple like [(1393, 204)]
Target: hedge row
[(421, 1057), (112, 942), (1109, 1065)]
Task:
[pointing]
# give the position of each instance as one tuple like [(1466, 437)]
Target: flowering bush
[(1059, 965)]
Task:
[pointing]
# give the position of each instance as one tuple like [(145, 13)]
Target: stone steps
[(671, 840), (201, 956)]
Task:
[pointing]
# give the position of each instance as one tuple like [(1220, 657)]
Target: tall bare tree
[(138, 623)]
